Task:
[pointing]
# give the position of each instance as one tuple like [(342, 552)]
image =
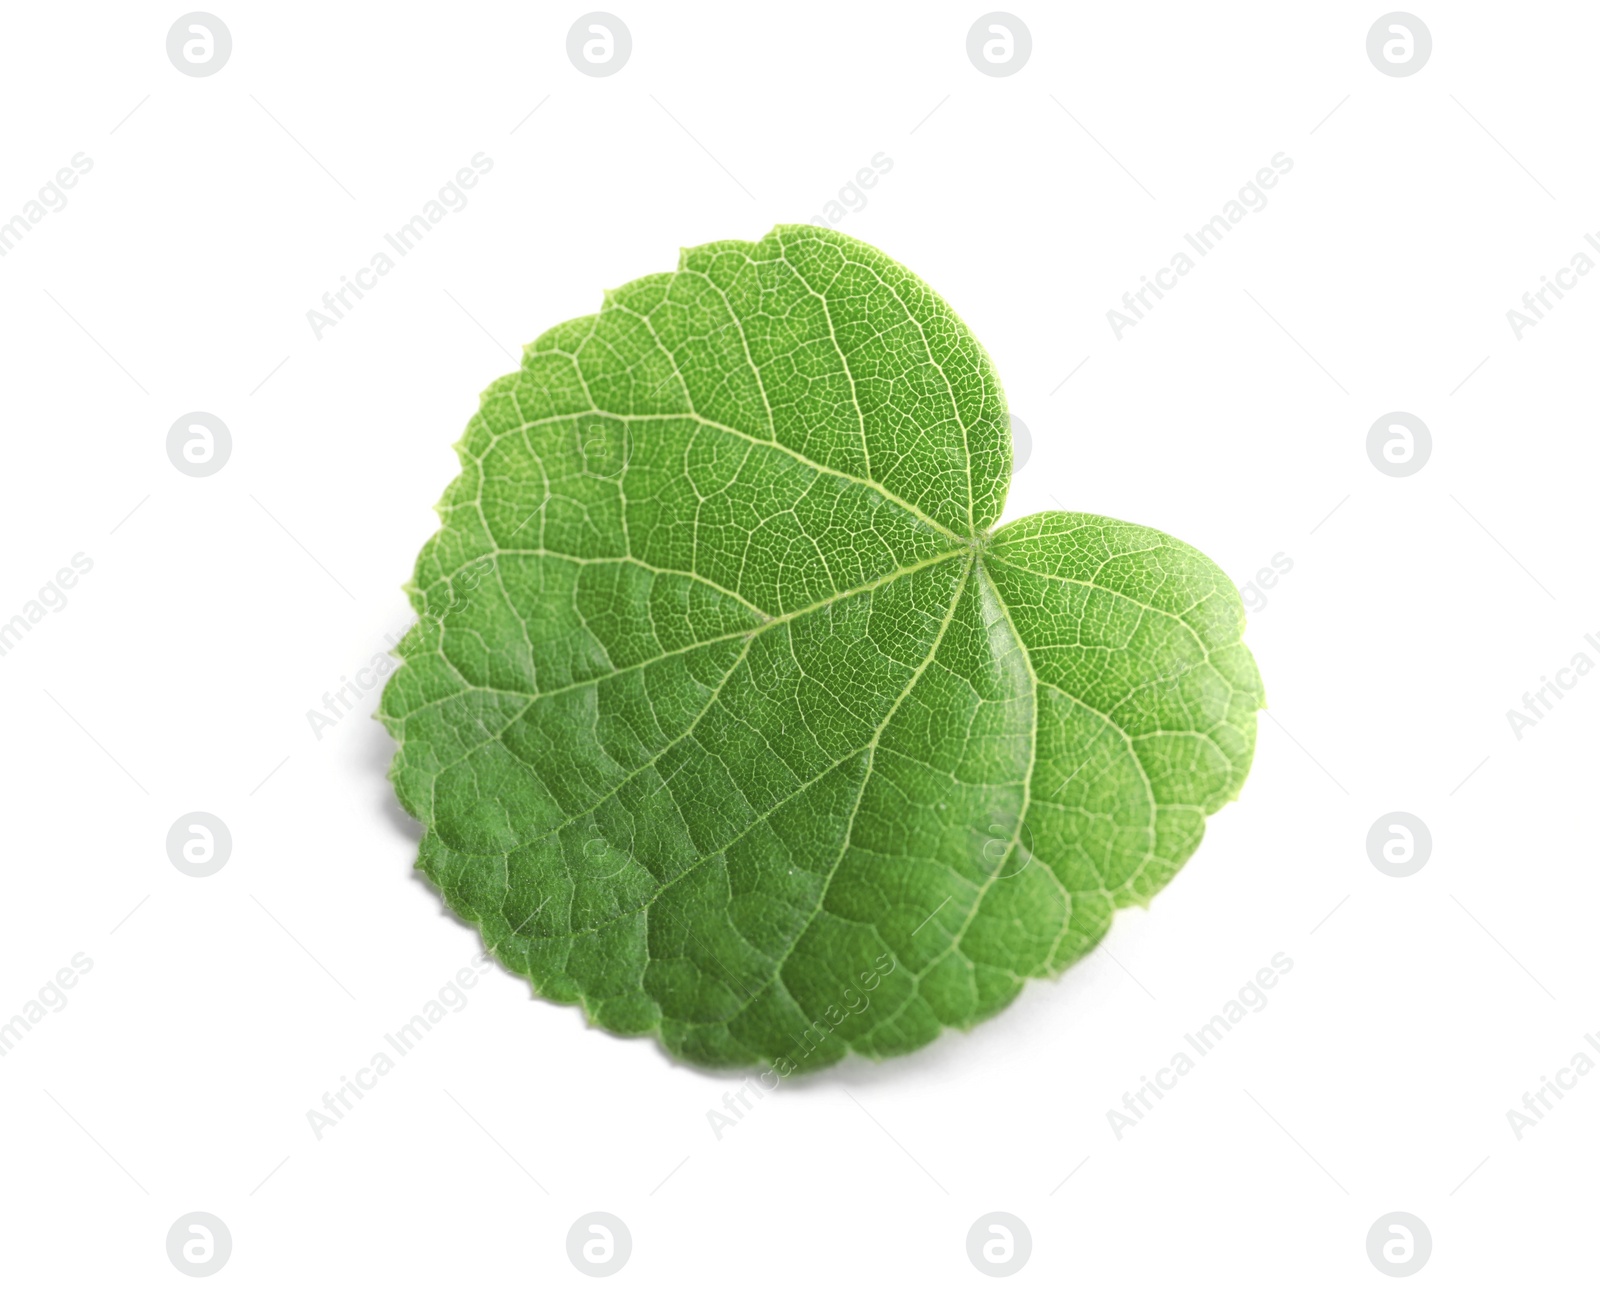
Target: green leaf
[(728, 716)]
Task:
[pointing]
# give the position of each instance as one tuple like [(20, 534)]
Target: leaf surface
[(731, 717)]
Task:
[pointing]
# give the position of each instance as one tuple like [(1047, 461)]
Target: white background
[(178, 676)]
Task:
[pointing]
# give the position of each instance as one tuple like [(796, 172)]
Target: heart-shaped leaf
[(728, 716)]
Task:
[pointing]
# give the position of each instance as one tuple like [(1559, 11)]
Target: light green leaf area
[(730, 716)]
